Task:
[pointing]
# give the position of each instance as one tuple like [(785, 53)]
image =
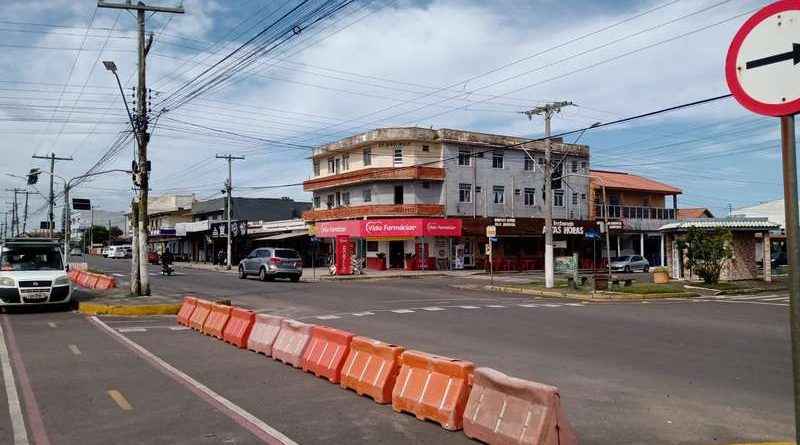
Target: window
[(425, 148), (367, 154), (583, 166), (346, 198), (367, 195), (541, 162), (398, 156), (316, 167), (316, 202), (516, 192), (499, 194), (530, 197), (646, 201), (345, 162), (558, 198), (372, 246), (529, 164), (464, 157), (338, 199), (329, 201), (574, 167), (574, 199), (426, 184), (497, 159), (583, 196), (330, 165), (477, 189), (338, 166), (464, 192)]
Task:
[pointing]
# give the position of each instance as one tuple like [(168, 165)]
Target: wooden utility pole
[(143, 137), (229, 188), (50, 216)]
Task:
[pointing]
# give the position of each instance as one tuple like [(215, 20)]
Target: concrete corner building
[(422, 198)]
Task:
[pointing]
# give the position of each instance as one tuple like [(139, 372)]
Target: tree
[(115, 232), (707, 251)]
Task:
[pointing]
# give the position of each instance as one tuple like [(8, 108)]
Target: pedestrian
[(221, 257)]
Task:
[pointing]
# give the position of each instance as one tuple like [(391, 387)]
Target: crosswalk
[(413, 310), (774, 299)]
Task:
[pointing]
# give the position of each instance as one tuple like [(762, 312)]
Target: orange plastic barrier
[(237, 331), (326, 352), (199, 315), (291, 342), (371, 368), (73, 274), (505, 410), (433, 388), (105, 282), (265, 331), (217, 319), (189, 303), (91, 280), (83, 279)]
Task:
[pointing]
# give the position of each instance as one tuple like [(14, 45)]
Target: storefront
[(410, 243)]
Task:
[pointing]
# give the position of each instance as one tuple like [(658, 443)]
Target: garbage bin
[(601, 282)]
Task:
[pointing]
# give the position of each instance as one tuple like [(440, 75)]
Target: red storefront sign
[(343, 255), (386, 228)]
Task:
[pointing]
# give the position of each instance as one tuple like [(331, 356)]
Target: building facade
[(433, 192)]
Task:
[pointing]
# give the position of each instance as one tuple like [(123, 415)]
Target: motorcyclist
[(166, 260)]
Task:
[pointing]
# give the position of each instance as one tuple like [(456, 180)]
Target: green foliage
[(659, 269), (707, 251), (101, 234)]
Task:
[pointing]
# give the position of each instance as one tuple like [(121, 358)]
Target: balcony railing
[(632, 212), (375, 174), (375, 211)]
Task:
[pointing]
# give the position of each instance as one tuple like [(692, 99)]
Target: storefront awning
[(286, 235), (390, 228)]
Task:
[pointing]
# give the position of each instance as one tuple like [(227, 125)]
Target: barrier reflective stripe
[(326, 352), (371, 368), (509, 411), (291, 342), (189, 303), (265, 331), (432, 388), (237, 331), (198, 317), (217, 319)]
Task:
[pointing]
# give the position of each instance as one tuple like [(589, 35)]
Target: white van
[(32, 271), (120, 252)]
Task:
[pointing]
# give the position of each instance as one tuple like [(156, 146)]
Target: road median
[(590, 296)]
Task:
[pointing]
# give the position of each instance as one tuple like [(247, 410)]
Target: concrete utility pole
[(547, 111), (50, 216), (143, 137), (25, 213), (229, 189)]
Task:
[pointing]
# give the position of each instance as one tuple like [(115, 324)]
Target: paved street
[(694, 371)]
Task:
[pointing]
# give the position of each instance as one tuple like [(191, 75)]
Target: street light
[(111, 66)]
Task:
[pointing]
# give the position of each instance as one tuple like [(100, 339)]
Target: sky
[(465, 64)]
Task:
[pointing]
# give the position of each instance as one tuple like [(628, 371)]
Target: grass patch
[(650, 288)]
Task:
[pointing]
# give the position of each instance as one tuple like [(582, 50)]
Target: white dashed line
[(402, 311), (118, 274), (495, 305), (574, 304), (327, 317), (528, 305), (469, 307), (433, 309), (362, 314), (132, 330), (551, 305)]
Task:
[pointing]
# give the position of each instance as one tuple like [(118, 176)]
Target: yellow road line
[(120, 399), (51, 324), (74, 349)]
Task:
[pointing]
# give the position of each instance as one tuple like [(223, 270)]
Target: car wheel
[(646, 269), (627, 269), (295, 279), (262, 274), (242, 275)]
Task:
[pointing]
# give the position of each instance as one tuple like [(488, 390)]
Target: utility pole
[(143, 137), (25, 213), (547, 111), (50, 216), (229, 188)]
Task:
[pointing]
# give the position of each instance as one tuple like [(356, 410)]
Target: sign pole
[(790, 199), (491, 264)]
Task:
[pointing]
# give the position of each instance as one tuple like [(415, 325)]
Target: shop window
[(529, 164), (316, 167), (497, 159), (367, 195), (372, 246), (398, 156), (464, 157), (499, 194), (464, 192), (530, 196), (367, 155), (558, 198)]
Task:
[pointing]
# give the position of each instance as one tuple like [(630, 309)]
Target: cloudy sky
[(464, 64)]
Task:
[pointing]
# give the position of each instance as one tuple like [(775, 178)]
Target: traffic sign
[(81, 204), (491, 231), (761, 66)]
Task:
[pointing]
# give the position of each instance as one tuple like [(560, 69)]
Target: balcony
[(631, 212), (375, 211), (375, 174)]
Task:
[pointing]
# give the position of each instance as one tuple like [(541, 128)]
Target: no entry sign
[(761, 67)]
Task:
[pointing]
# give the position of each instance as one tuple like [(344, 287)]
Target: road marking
[(178, 328), (748, 297), (51, 324), (433, 309), (574, 304), (402, 311), (327, 317), (786, 299), (469, 307), (74, 349), (132, 329), (122, 403), (14, 408), (118, 274), (252, 423), (528, 305), (362, 314), (495, 305)]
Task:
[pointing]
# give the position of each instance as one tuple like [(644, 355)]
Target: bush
[(659, 269), (706, 251)]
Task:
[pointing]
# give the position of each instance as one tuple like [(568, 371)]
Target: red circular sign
[(767, 21)]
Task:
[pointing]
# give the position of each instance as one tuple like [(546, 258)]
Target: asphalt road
[(699, 371)]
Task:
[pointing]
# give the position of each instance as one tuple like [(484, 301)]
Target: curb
[(129, 310), (598, 297), (377, 277)]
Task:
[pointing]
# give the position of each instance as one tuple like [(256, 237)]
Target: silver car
[(630, 263), (269, 263)]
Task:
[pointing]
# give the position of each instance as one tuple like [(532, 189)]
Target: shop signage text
[(505, 222), (566, 228), (385, 228)]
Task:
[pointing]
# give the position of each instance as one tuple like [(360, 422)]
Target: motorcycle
[(167, 269)]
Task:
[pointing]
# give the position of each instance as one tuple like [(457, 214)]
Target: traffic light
[(33, 176)]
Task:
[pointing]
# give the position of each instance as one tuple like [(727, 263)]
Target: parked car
[(105, 251), (32, 271), (269, 263), (153, 257), (120, 252), (630, 263), (76, 251)]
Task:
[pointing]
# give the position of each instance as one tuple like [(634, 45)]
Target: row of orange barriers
[(91, 280), (487, 404)]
